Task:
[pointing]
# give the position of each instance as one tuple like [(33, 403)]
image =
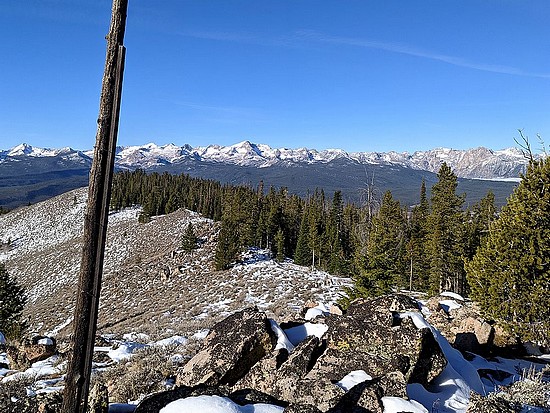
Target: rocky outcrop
[(30, 351), (464, 327), (231, 348), (375, 337)]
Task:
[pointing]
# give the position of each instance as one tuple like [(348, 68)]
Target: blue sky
[(365, 75)]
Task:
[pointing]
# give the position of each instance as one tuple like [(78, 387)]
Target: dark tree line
[(381, 244)]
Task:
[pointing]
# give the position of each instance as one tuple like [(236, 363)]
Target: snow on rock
[(318, 311), (299, 333), (398, 405), (42, 368), (216, 404), (448, 305), (135, 337), (450, 391), (46, 341), (201, 334), (452, 295), (353, 378), (2, 338), (282, 339)]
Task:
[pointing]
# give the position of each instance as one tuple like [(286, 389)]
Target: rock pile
[(247, 358)]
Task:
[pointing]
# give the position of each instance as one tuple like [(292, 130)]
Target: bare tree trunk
[(77, 380)]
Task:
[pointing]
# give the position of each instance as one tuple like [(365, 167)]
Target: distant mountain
[(30, 174), (478, 163)]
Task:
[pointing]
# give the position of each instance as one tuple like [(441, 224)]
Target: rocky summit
[(360, 361)]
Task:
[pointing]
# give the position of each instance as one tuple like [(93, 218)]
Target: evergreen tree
[(12, 302), (445, 237), (227, 249), (385, 251), (510, 273), (189, 239), (302, 255), (417, 257), (480, 217), (280, 244)]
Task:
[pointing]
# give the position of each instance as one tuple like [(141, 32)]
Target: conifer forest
[(380, 243)]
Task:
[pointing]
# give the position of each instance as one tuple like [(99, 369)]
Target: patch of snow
[(201, 334), (216, 404), (53, 332), (141, 337), (171, 341), (45, 341), (450, 391), (2, 338), (282, 339), (452, 295), (353, 378), (448, 305), (398, 405), (318, 311), (299, 333), (124, 351), (38, 369)]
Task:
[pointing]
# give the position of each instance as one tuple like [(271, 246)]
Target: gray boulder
[(230, 350), (375, 336)]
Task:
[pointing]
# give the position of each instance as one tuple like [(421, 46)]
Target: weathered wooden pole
[(77, 379)]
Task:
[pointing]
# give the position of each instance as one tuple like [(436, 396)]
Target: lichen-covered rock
[(373, 336), (283, 376), (230, 350), (377, 336), (301, 408)]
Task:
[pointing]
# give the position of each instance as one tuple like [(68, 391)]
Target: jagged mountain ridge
[(477, 163), (29, 174)]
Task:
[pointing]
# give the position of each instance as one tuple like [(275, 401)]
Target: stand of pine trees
[(382, 245), (509, 274)]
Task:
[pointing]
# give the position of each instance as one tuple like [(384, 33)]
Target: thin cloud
[(240, 38), (298, 39), (235, 113), (412, 51)]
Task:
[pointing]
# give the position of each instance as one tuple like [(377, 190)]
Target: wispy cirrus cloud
[(413, 51), (247, 38), (302, 38)]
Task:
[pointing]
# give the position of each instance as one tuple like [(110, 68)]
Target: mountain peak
[(21, 149), (472, 163)]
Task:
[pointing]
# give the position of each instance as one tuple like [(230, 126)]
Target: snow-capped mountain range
[(478, 163)]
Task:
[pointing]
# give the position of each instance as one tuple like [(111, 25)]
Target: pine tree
[(12, 303), (479, 217), (189, 239), (417, 257), (227, 249), (302, 255), (445, 225), (510, 273), (385, 251), (280, 244)]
